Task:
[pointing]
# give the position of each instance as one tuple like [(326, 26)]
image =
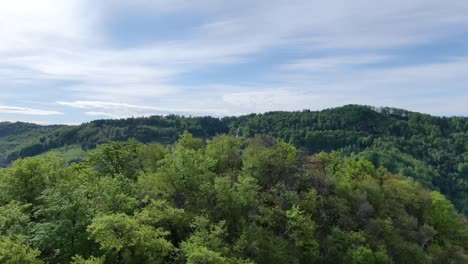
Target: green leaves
[(449, 225), (61, 218), (187, 141), (15, 219), (161, 214), (301, 230), (117, 158), (14, 250), (127, 240), (360, 255), (225, 150), (92, 260), (27, 178), (182, 176), (227, 201), (269, 160), (208, 244)]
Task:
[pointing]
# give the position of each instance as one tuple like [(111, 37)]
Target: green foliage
[(226, 200), (117, 158), (113, 194), (189, 142), (126, 240), (262, 245), (61, 220), (208, 244), (182, 177), (19, 140), (301, 230), (16, 251), (432, 150), (70, 153), (149, 155), (161, 214), (226, 151), (268, 160), (360, 255), (397, 162), (27, 178), (449, 225), (15, 219), (92, 260)]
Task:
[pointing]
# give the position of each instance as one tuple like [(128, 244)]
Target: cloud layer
[(26, 111), (229, 57)]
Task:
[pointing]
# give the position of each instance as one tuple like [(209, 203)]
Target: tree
[(268, 160), (128, 241), (61, 218), (117, 158), (360, 255), (444, 217), (161, 214), (149, 155), (341, 244), (27, 178), (301, 230), (187, 141), (183, 177), (225, 150), (113, 195), (16, 251), (91, 260), (15, 219), (208, 244)]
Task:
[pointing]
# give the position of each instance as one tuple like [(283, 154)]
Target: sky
[(72, 61)]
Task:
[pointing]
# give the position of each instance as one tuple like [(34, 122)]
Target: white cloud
[(119, 92), (30, 26), (102, 114), (26, 111), (440, 105), (263, 100), (55, 34), (67, 41), (438, 88), (317, 64), (122, 110)]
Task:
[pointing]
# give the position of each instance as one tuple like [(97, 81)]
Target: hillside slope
[(432, 150), (16, 137)]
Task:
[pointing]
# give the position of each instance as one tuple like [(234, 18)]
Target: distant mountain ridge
[(432, 150), (165, 129)]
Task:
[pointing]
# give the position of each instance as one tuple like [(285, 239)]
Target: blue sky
[(78, 60)]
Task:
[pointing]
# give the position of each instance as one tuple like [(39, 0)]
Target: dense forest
[(224, 200), (431, 150)]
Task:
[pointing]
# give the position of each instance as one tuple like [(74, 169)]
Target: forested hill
[(224, 200), (18, 137), (432, 150)]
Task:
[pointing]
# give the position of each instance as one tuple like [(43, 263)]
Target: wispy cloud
[(317, 64), (122, 110), (26, 111), (236, 57), (263, 100)]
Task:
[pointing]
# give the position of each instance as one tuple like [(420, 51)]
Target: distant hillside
[(432, 150), (16, 137)]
